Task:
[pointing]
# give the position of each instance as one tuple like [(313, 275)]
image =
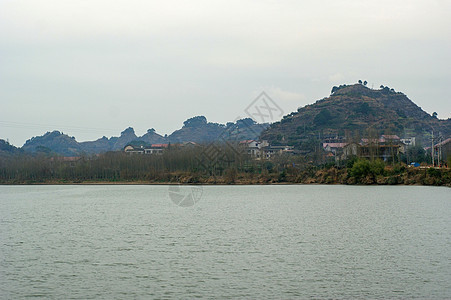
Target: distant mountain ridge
[(350, 111), (195, 129)]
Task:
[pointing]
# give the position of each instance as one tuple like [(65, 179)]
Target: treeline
[(175, 164), (209, 164), (111, 166)]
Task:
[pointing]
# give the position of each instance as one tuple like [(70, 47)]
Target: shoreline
[(331, 176), (128, 183)]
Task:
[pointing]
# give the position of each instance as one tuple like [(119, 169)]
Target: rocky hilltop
[(198, 130), (53, 142), (6, 148), (356, 111)]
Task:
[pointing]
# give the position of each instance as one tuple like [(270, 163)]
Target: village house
[(153, 149), (263, 150), (409, 142), (385, 152), (385, 147), (134, 150), (271, 151), (336, 149), (254, 148), (350, 150), (188, 145), (442, 150)]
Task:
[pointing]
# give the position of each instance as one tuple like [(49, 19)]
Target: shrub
[(350, 162), (282, 176), (399, 169), (377, 167), (363, 167), (434, 172), (360, 168)]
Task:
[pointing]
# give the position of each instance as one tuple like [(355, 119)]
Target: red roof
[(390, 137), (334, 145), (443, 143), (366, 141), (246, 141)]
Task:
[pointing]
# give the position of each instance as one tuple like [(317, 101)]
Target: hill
[(198, 130), (195, 129), (6, 148), (356, 111), (53, 142)]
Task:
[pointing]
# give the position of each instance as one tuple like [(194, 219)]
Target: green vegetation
[(195, 121), (323, 117), (363, 108), (415, 154), (363, 167), (7, 148)]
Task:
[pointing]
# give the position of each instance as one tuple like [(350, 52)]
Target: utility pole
[(432, 150), (439, 149)]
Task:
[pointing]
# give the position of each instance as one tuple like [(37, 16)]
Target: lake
[(256, 242)]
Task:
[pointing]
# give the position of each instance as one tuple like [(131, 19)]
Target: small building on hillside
[(387, 138), (263, 150), (134, 150), (384, 152), (271, 151), (153, 149), (350, 150), (443, 150), (254, 148), (189, 144), (385, 147), (335, 148), (409, 142)]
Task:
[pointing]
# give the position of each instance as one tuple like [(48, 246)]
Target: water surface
[(256, 242)]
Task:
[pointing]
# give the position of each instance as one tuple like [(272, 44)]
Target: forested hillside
[(356, 111)]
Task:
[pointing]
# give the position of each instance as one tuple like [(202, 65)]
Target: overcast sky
[(94, 67)]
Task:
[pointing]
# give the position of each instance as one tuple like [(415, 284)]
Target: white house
[(153, 149), (408, 141)]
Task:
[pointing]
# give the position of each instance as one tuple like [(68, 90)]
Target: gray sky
[(94, 67)]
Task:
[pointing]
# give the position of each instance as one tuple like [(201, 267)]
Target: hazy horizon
[(94, 68)]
